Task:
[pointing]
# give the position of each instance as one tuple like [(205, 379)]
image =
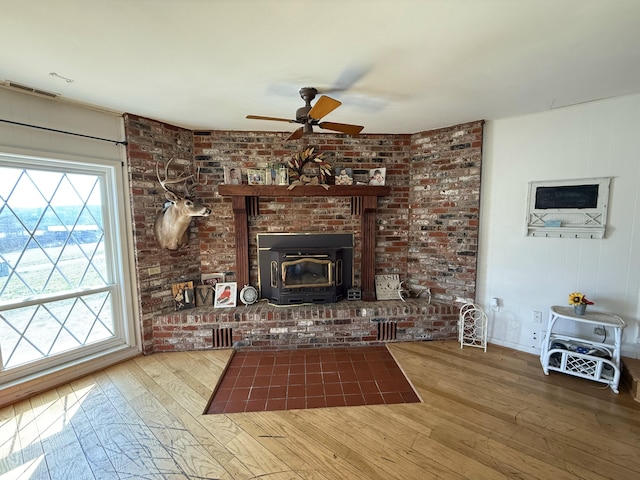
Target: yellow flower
[(576, 298)]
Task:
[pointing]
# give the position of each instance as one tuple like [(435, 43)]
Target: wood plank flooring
[(491, 415)]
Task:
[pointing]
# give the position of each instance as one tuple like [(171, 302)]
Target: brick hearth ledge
[(264, 326)]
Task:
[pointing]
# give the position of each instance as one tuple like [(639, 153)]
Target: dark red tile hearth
[(293, 379)]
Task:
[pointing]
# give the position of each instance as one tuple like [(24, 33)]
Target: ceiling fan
[(309, 116)]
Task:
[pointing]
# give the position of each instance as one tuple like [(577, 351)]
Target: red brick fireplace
[(265, 326), (424, 222)]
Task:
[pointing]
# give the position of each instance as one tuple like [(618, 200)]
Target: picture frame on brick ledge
[(388, 287), (212, 278), (226, 295), (183, 295)]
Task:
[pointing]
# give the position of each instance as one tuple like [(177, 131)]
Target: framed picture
[(183, 295), (360, 176), (388, 287), (255, 177), (377, 176), (226, 294), (344, 176), (212, 278), (232, 176)]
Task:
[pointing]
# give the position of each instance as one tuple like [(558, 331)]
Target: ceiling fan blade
[(297, 134), (342, 127), (323, 106), (276, 119), (348, 77)]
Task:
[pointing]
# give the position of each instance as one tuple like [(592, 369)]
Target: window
[(63, 286)]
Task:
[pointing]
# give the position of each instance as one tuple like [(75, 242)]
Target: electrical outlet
[(599, 331), (537, 316), (495, 304)]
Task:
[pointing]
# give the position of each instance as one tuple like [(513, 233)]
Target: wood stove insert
[(298, 268)]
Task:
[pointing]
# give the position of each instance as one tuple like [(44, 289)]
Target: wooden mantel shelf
[(303, 191), (245, 201)]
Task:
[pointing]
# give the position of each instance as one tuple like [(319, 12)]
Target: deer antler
[(196, 182), (168, 181)]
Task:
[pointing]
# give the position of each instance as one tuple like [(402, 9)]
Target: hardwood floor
[(491, 415)]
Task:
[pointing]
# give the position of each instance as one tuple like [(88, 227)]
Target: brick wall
[(149, 142), (426, 228), (444, 209), (320, 214)]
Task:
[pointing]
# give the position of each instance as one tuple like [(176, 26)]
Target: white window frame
[(118, 248)]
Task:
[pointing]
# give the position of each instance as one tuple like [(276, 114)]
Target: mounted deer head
[(172, 223)]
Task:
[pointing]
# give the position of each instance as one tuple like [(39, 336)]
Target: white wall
[(597, 139)]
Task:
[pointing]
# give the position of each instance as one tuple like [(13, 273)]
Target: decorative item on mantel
[(579, 302), (297, 166), (248, 295)]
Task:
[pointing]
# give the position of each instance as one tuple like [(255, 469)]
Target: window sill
[(29, 385)]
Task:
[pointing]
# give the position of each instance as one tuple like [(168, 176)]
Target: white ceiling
[(422, 64)]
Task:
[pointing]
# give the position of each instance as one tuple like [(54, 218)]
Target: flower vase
[(580, 309)]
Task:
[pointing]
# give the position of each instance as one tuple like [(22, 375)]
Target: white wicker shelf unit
[(594, 360)]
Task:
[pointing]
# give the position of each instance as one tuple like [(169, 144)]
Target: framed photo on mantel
[(255, 177), (344, 176), (232, 176), (377, 175)]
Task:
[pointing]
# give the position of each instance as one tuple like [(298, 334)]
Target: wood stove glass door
[(307, 272)]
